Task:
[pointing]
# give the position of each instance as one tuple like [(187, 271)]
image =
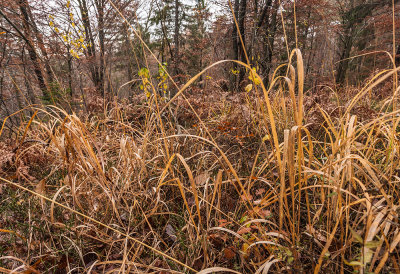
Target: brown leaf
[(264, 213), (170, 231), (244, 230), (201, 179), (317, 234), (229, 253), (217, 239), (40, 188), (247, 197), (223, 223), (260, 191)]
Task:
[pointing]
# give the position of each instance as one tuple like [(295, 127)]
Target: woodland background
[(75, 50)]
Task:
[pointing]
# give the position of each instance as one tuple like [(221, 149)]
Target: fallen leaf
[(260, 191), (40, 188), (223, 223), (247, 197), (244, 230), (229, 253), (265, 213), (245, 246), (170, 231), (318, 235), (201, 179), (217, 240)]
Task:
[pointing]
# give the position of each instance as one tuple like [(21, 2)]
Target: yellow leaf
[(245, 246), (353, 263), (266, 138), (249, 87), (253, 77), (372, 244)]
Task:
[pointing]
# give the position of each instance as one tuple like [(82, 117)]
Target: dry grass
[(257, 185), (210, 182)]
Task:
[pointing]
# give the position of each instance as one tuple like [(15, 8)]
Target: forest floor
[(216, 180)]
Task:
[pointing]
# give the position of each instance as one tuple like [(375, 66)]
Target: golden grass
[(145, 194), (156, 198)]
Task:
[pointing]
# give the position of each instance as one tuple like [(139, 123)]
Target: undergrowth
[(268, 180)]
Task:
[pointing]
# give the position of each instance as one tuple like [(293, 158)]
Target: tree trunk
[(350, 20), (176, 38), (32, 51), (347, 44), (101, 69), (242, 47), (235, 39), (265, 14), (235, 44), (270, 40), (39, 38), (91, 49), (28, 86), (128, 54), (70, 71)]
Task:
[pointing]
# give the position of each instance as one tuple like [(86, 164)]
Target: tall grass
[(136, 192), (161, 200)]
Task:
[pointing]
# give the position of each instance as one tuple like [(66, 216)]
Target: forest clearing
[(204, 136)]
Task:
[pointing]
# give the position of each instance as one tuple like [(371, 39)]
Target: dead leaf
[(245, 246), (260, 191), (265, 213), (201, 179), (247, 197), (229, 253), (356, 235), (318, 235), (223, 223), (244, 230), (40, 188), (67, 181), (217, 240), (170, 231)]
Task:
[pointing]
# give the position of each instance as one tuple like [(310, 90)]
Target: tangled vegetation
[(269, 180)]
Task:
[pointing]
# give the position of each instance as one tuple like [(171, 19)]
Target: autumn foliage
[(175, 137)]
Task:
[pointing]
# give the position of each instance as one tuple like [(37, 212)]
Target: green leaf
[(372, 244), (356, 236), (354, 263), (368, 256), (332, 194)]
